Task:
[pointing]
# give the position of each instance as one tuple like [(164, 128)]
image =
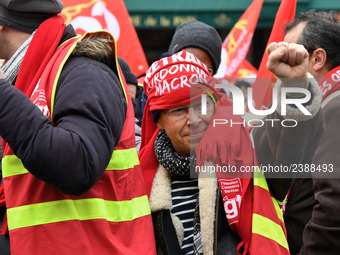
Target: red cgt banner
[(246, 70), (262, 88), (235, 47), (111, 16)]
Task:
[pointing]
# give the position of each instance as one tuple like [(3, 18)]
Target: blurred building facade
[(155, 20)]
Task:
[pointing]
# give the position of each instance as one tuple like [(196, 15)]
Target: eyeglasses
[(179, 113)]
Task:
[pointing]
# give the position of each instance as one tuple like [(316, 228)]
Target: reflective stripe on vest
[(58, 212), (269, 229), (264, 226), (120, 160), (82, 209), (260, 181)]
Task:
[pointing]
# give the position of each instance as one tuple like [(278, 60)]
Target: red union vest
[(269, 235), (112, 218), (255, 215)]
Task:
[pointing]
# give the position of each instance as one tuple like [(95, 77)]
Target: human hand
[(289, 62), (1, 74)]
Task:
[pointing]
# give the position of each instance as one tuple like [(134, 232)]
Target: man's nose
[(193, 116)]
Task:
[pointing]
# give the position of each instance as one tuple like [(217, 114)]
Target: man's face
[(293, 36), (4, 46), (132, 88), (186, 125)]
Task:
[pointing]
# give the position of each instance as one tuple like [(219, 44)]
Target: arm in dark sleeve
[(321, 233), (89, 114), (276, 145)]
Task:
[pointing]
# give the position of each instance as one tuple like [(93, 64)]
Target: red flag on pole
[(262, 88), (111, 16), (246, 70), (235, 47)]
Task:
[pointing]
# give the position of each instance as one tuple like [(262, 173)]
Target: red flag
[(246, 70), (111, 16), (235, 46), (262, 88)]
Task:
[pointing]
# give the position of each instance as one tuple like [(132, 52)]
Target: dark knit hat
[(27, 15), (128, 75), (197, 34)]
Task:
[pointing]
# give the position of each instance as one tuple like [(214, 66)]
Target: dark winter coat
[(89, 114)]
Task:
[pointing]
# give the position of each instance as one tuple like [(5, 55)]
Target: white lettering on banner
[(157, 90), (192, 58), (336, 76), (196, 69), (184, 67), (178, 71), (176, 58), (166, 86), (241, 54), (38, 97), (195, 79), (184, 80), (162, 85), (184, 60), (172, 83), (162, 74), (165, 61), (154, 68), (325, 87), (154, 80), (173, 69)]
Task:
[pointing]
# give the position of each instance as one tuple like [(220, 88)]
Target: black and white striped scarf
[(12, 66), (179, 166), (170, 159)]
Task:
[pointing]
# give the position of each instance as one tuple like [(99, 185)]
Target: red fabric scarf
[(221, 144), (229, 147), (39, 52), (167, 85), (330, 83), (3, 229)]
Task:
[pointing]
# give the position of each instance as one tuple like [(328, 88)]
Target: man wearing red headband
[(216, 212)]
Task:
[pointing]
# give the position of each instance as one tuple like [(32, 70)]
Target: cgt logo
[(231, 207), (91, 16)]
